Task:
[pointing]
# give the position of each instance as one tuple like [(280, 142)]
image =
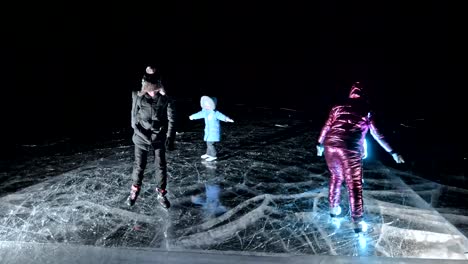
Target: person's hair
[(148, 87)]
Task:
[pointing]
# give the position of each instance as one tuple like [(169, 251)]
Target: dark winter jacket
[(153, 119)]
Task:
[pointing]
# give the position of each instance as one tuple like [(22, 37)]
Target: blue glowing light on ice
[(336, 221), (365, 148), (362, 240)]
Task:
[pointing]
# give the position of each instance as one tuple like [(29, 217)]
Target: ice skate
[(210, 158), (360, 227), (162, 199), (134, 192)]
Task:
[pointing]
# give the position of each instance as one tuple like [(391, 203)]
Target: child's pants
[(210, 148)]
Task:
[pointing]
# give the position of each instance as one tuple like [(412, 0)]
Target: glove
[(398, 158), (190, 117), (320, 149), (170, 144), (229, 120)]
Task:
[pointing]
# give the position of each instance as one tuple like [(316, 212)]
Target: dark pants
[(141, 156), (345, 165), (210, 148)]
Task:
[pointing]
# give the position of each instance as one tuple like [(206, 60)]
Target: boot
[(162, 199), (134, 192)]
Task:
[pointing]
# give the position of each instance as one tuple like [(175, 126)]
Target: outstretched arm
[(383, 143), (222, 117), (379, 137), (198, 115)]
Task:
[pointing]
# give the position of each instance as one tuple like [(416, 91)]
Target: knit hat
[(152, 75)]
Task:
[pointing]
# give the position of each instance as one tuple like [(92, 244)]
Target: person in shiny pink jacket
[(341, 140)]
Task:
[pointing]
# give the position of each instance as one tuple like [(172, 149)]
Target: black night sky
[(72, 71)]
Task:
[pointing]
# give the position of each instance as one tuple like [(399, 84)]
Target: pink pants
[(345, 165)]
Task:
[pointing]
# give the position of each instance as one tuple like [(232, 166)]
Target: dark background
[(70, 69)]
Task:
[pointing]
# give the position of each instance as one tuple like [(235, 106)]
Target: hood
[(207, 102), (357, 90)]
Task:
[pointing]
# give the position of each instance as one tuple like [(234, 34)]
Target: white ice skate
[(210, 158), (335, 211), (360, 227)]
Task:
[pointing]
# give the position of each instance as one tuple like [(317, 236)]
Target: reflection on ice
[(210, 204), (362, 240), (336, 221)]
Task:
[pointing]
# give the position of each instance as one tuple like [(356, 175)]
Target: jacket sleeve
[(171, 118), (134, 109), (220, 116), (328, 123), (378, 136), (198, 115)]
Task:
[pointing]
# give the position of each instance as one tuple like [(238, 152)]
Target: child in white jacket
[(212, 125)]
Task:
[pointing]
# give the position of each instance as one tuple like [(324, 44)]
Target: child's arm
[(222, 117), (198, 115)]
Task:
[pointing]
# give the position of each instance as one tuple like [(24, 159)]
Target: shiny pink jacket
[(347, 126)]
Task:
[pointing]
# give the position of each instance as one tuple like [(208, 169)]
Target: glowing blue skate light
[(365, 149), (336, 210), (364, 226)]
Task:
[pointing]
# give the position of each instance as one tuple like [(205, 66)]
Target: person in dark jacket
[(153, 123), (341, 140)]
